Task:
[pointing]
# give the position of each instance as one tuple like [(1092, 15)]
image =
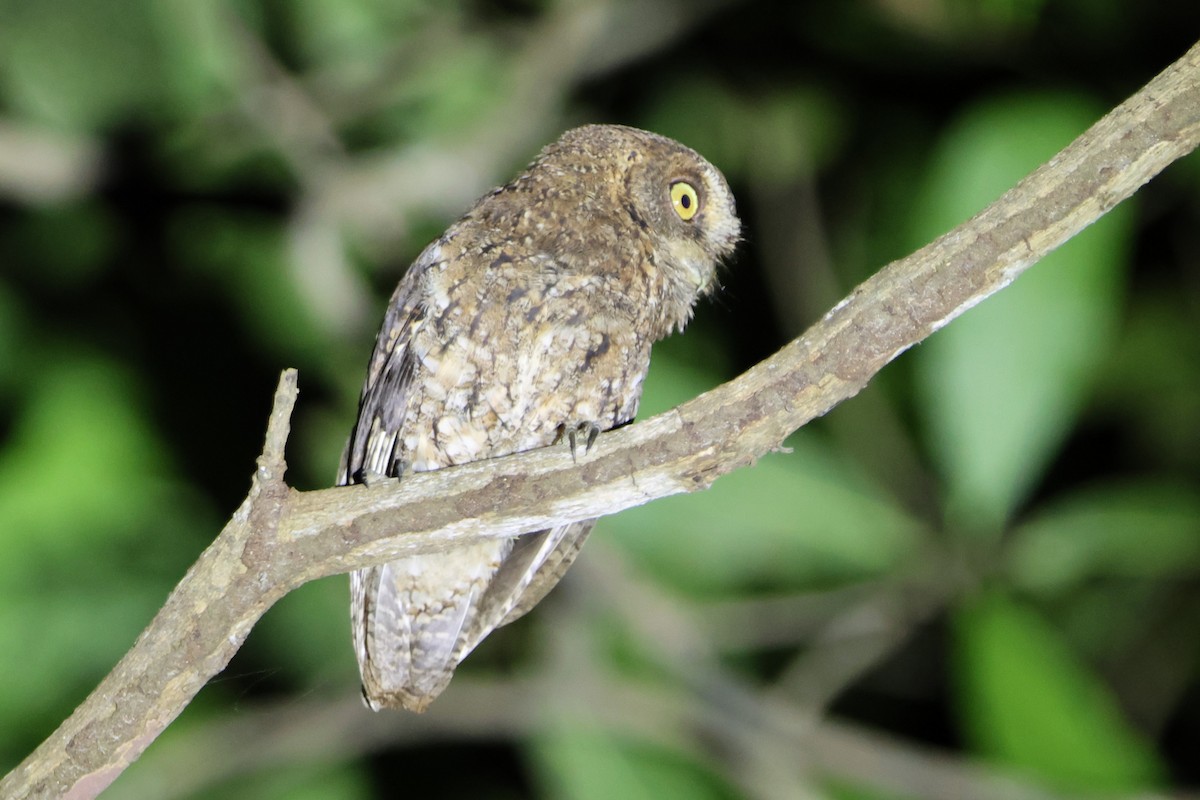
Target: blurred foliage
[(1027, 701), (993, 552)]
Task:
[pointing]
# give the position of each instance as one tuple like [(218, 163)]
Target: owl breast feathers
[(529, 320)]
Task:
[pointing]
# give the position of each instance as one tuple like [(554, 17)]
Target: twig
[(280, 539), (45, 166)]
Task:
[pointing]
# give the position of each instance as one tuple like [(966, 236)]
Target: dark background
[(986, 567)]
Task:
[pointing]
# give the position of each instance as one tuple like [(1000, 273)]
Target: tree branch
[(279, 538)]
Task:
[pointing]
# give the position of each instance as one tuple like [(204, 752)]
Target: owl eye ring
[(685, 200)]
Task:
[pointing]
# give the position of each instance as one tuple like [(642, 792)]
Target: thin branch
[(280, 539), (39, 165)]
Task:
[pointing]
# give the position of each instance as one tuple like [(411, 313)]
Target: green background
[(983, 569)]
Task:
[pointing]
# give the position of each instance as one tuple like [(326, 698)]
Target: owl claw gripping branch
[(589, 431), (537, 307)]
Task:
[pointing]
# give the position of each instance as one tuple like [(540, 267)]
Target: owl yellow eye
[(685, 200)]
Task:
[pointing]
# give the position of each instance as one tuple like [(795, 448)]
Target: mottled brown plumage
[(530, 318)]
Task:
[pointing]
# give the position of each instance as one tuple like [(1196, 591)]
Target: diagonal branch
[(280, 539)]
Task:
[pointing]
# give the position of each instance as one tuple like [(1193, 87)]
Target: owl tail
[(409, 631), (419, 617)]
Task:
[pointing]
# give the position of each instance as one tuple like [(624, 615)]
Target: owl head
[(677, 199)]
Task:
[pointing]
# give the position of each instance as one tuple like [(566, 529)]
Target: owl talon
[(593, 431), (572, 434), (370, 477)]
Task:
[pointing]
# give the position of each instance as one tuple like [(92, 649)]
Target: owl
[(527, 323)]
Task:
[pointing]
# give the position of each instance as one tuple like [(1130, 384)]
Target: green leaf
[(796, 129), (312, 627), (1150, 382), (1002, 386), (206, 63), (361, 32), (245, 254), (57, 643), (71, 469), (574, 762), (842, 790), (797, 518), (79, 64), (1137, 530), (1027, 702), (13, 334), (299, 780), (793, 519), (91, 523), (65, 245)]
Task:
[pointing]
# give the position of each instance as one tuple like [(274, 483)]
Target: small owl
[(527, 323)]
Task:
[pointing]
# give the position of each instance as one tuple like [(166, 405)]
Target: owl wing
[(379, 621), (374, 442), (408, 616), (534, 566)]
